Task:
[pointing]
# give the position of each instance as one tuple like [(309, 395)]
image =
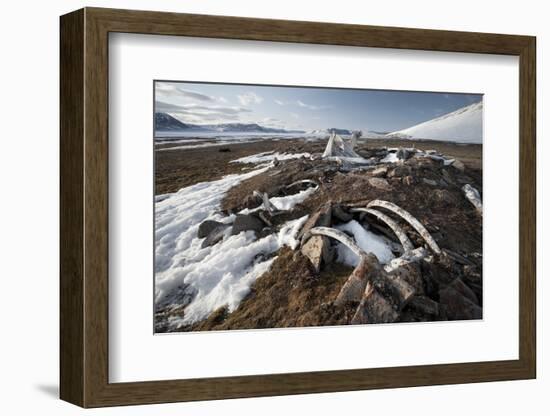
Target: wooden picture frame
[(84, 207)]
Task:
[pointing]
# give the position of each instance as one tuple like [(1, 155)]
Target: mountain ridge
[(464, 125)]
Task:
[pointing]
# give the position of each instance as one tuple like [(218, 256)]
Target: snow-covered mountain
[(463, 125), (165, 122), (246, 127)]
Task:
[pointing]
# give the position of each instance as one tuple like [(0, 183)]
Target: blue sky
[(304, 108)]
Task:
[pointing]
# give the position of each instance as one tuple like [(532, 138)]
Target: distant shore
[(188, 164)]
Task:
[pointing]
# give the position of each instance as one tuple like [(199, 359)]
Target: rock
[(215, 236), (464, 290), (394, 288), (379, 172), (246, 223), (472, 194), (317, 250), (471, 274), (276, 162), (265, 232), (264, 216), (425, 305), (411, 274), (403, 154), (447, 176), (423, 162), (374, 309), (430, 182), (458, 165), (408, 180), (321, 218), (444, 197), (354, 288), (400, 171), (206, 227), (339, 213), (224, 149), (456, 306), (380, 183)]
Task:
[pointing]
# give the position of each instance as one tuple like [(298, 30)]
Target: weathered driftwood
[(412, 256), (399, 232), (417, 225), (473, 196), (269, 207)]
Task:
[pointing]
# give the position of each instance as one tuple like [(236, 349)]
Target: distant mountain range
[(327, 132), (165, 122)]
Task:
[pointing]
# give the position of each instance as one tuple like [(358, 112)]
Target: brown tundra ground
[(292, 293)]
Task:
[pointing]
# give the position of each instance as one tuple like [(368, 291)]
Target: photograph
[(299, 206)]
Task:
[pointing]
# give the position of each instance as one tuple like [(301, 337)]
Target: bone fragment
[(417, 225)]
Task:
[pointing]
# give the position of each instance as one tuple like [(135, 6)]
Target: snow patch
[(269, 157), (286, 203), (367, 240), (211, 277), (390, 158)]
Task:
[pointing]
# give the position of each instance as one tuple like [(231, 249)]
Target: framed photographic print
[(256, 207)]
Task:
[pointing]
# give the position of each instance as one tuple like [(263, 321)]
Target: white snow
[(216, 276), (270, 156), (178, 216), (198, 146), (285, 203), (463, 125), (390, 158), (367, 240), (222, 275)]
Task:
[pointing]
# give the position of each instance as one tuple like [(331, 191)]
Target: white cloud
[(201, 114), (280, 102), (222, 99), (273, 122), (170, 90), (249, 98), (312, 107), (294, 115)]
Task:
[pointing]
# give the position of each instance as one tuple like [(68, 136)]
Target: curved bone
[(310, 181), (399, 232), (407, 258), (338, 235), (417, 225), (472, 195), (267, 203), (353, 289)]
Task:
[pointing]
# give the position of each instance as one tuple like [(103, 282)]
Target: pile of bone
[(379, 293)]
